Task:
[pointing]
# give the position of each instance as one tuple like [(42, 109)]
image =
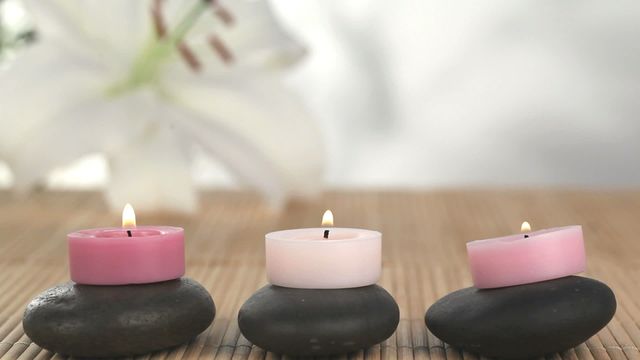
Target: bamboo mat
[(424, 257)]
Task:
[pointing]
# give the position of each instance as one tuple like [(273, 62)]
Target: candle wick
[(526, 236), (326, 234), (129, 233)]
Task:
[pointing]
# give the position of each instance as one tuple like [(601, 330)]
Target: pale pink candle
[(527, 258), (109, 256), (305, 259)]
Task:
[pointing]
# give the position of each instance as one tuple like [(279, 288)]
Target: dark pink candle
[(127, 255)]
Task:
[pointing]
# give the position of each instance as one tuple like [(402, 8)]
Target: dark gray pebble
[(523, 321), (310, 322), (110, 321)]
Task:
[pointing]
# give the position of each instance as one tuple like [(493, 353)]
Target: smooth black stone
[(310, 322), (523, 321), (110, 321)]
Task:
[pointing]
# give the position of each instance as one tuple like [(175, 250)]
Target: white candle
[(305, 259)]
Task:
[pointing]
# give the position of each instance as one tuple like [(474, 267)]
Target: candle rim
[(532, 235), (92, 233), (365, 235)]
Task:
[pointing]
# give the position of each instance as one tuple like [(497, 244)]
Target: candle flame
[(327, 218), (128, 217), (525, 227)]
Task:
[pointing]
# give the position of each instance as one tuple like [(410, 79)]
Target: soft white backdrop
[(451, 93)]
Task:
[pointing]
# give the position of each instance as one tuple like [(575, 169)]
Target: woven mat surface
[(424, 257)]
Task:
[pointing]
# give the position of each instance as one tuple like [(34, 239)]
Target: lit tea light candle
[(527, 257), (127, 255), (322, 298), (323, 258)]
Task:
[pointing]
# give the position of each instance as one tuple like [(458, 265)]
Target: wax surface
[(516, 260), (302, 258), (109, 257)]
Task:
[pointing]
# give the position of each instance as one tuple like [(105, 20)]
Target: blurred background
[(403, 94)]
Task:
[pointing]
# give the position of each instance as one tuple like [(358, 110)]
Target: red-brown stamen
[(220, 48), (189, 57), (223, 14), (159, 24)]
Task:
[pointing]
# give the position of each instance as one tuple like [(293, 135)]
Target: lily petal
[(262, 113), (114, 28), (152, 170), (86, 126), (256, 37), (40, 83), (245, 161)]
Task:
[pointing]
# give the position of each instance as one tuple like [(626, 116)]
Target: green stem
[(148, 63), (188, 21)]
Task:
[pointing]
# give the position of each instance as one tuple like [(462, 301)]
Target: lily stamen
[(175, 37), (159, 24), (220, 48), (223, 14), (189, 57)]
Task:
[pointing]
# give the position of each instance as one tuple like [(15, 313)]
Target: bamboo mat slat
[(424, 258)]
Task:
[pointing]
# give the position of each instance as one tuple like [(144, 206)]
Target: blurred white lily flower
[(146, 82)]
